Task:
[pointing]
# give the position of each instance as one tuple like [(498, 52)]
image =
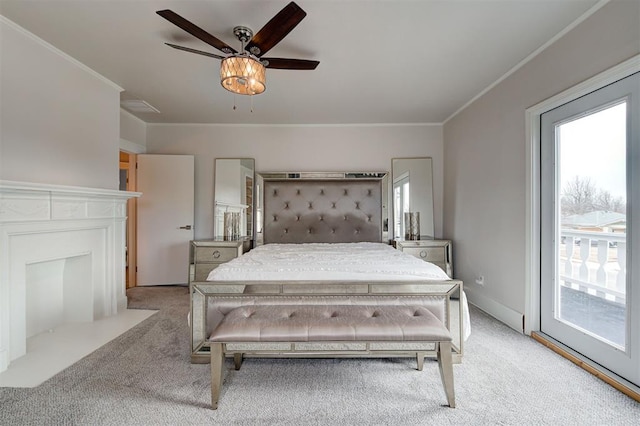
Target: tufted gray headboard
[(322, 211)]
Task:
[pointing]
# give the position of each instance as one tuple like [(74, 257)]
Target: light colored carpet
[(144, 377), (50, 353)]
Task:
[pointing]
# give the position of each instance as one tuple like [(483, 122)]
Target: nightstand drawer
[(442, 266), (434, 251), (215, 254), (202, 270), (429, 254)]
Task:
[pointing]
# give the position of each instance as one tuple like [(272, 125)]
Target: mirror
[(233, 198), (412, 192), (261, 176)]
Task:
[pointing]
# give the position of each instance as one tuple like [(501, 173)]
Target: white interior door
[(590, 250), (165, 218)]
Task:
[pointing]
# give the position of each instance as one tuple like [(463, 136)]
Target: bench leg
[(445, 365), (237, 360), (217, 365), (420, 360)]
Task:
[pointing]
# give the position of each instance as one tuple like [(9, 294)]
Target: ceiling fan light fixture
[(243, 75)]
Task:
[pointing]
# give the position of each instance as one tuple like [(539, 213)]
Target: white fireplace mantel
[(43, 224)]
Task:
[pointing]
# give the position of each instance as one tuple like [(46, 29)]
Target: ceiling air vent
[(138, 105)]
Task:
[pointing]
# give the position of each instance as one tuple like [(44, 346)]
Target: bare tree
[(580, 195), (607, 202)]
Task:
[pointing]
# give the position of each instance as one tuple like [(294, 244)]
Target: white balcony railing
[(595, 263)]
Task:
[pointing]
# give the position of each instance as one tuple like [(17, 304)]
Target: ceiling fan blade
[(199, 52), (195, 31), (276, 29), (290, 64)]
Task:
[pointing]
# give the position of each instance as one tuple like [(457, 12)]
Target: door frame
[(532, 219), (130, 166), (532, 150)]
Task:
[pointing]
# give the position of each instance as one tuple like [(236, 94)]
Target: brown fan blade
[(195, 31), (276, 29), (290, 64), (199, 52)]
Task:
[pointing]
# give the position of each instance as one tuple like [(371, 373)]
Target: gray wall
[(484, 154), (133, 132), (296, 148), (60, 121)]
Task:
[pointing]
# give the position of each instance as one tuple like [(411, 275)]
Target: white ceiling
[(380, 61)]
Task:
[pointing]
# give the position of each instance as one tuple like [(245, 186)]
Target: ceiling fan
[(244, 72)]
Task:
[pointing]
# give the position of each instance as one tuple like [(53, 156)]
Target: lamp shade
[(242, 75)]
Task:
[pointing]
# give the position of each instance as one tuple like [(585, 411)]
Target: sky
[(595, 146)]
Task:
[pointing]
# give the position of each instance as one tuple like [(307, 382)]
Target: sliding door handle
[(185, 227)]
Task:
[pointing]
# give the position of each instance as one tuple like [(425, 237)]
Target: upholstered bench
[(329, 324)]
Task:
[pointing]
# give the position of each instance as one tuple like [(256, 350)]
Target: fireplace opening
[(58, 292)]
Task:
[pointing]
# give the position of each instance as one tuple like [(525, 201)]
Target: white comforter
[(334, 261)]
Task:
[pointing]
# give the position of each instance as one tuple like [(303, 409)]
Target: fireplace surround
[(62, 259)]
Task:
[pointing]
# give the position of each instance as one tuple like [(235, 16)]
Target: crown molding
[(59, 52), (131, 115), (529, 58), (337, 125)]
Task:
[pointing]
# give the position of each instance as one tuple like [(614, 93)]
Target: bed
[(322, 244)]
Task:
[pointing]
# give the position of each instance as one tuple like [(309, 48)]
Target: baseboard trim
[(592, 368), (497, 310)]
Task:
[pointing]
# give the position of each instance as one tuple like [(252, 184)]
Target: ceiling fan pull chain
[(234, 101), (251, 96)]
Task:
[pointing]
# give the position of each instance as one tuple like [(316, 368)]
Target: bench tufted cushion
[(221, 305), (315, 323)]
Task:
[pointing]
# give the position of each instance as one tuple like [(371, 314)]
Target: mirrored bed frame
[(301, 208)]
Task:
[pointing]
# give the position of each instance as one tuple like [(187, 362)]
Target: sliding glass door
[(590, 189)]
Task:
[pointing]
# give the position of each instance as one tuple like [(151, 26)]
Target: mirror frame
[(427, 232), (218, 234)]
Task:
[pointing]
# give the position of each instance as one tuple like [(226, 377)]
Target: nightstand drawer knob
[(216, 254), (423, 253)]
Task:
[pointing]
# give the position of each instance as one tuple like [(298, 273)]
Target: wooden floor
[(590, 367)]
